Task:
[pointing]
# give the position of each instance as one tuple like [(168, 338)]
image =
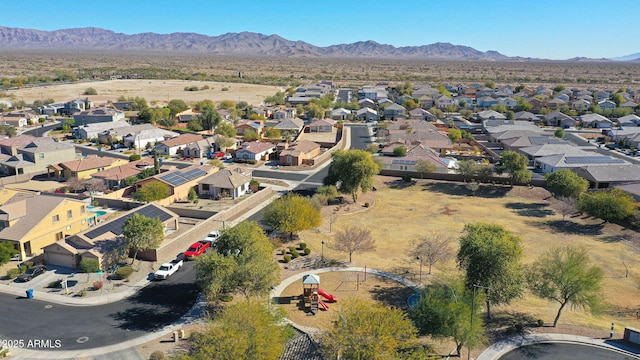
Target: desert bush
[(307, 251), (226, 298), (82, 293), (366, 204), (55, 284), (302, 245), (13, 273), (540, 322), (124, 272), (90, 91), (156, 355), (287, 258), (245, 161), (283, 252)]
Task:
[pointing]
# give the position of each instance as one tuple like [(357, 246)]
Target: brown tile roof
[(300, 147), (88, 163), (182, 140), (226, 179)]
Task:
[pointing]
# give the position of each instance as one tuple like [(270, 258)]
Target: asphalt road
[(84, 327), (554, 351), (39, 131)]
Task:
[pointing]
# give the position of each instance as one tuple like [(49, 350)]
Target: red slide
[(323, 305), (326, 295)]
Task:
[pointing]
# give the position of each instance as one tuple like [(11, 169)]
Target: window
[(205, 187), (41, 155), (56, 218), (83, 209), (69, 214), (59, 236)]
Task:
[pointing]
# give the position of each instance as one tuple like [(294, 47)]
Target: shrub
[(307, 251), (540, 322), (13, 273), (245, 161), (156, 355), (95, 203), (287, 258), (124, 272), (225, 89), (407, 178), (518, 327), (302, 245), (294, 252), (55, 284), (366, 204), (134, 157), (226, 298), (284, 252), (90, 91), (28, 264), (82, 293), (97, 285)]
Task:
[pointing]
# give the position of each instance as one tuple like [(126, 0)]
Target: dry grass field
[(154, 91), (402, 213)]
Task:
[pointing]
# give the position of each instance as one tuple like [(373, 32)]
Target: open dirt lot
[(160, 91), (403, 212)]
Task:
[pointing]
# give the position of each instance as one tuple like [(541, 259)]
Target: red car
[(196, 249)]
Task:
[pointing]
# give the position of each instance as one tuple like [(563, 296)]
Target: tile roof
[(88, 163), (226, 179), (257, 147), (290, 124), (300, 147), (182, 140), (21, 140), (29, 209)]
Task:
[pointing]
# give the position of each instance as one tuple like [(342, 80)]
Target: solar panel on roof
[(592, 160), (116, 226)]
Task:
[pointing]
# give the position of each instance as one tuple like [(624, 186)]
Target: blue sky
[(552, 29)]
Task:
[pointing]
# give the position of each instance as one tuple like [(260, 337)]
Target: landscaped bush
[(124, 272), (287, 258), (82, 293), (134, 157), (540, 322), (294, 252), (366, 204), (13, 273), (157, 355), (97, 285), (302, 245), (307, 251), (245, 161), (55, 284), (407, 178), (283, 251), (226, 298)]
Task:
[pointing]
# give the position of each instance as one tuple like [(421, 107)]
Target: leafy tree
[(444, 311), (369, 330), (292, 213), (432, 248), (455, 134), (89, 265), (468, 169), (176, 106), (491, 257), (193, 195), (352, 170), (490, 84), (567, 183), (8, 130), (277, 99), (200, 105), (313, 111), (410, 104), (559, 133), (424, 166), (614, 204), (251, 135), (483, 171), (194, 125), (400, 151), (352, 239), (559, 88), (151, 192), (226, 129), (168, 122), (247, 330), (209, 118), (7, 251), (227, 104), (566, 275), (242, 263), (523, 105), (225, 142), (515, 164), (618, 99), (142, 233), (329, 191), (272, 133), (510, 115)]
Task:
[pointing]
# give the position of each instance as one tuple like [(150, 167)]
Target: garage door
[(66, 260)]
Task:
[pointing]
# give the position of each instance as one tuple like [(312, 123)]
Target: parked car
[(196, 249), (32, 272), (167, 269), (212, 237)]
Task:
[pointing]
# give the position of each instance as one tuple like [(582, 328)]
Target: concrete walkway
[(502, 347)]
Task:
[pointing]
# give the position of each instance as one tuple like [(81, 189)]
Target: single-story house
[(99, 114), (490, 115), (595, 121), (367, 114), (175, 145), (233, 180), (321, 125), (340, 114), (558, 119), (243, 126), (256, 150), (421, 114), (140, 139), (299, 152), (84, 168)]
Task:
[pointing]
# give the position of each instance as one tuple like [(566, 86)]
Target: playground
[(338, 287)]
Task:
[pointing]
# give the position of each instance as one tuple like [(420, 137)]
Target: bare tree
[(353, 239), (565, 206), (473, 187), (74, 184), (432, 248), (95, 185)]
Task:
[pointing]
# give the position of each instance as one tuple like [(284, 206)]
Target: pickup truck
[(196, 249), (167, 269), (212, 237)]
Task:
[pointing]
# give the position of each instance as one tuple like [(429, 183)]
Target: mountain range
[(243, 44)]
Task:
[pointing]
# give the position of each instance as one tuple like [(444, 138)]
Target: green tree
[(176, 106), (510, 115), (277, 99), (491, 257), (7, 251), (352, 170), (444, 311), (400, 151), (352, 239), (243, 262), (515, 164), (225, 142), (369, 330), (329, 191), (559, 133), (566, 275), (272, 133), (455, 134), (226, 129), (618, 99), (193, 195), (151, 192), (490, 84), (468, 169), (200, 105), (209, 118), (89, 265), (8, 130), (424, 166), (313, 111), (194, 125), (614, 204), (142, 233), (251, 135), (523, 105), (566, 183), (292, 213), (247, 330), (558, 88), (168, 122)]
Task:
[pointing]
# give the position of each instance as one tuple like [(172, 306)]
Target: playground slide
[(323, 305), (327, 296)]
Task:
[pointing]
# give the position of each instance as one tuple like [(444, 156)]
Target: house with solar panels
[(179, 181), (100, 241), (549, 164)]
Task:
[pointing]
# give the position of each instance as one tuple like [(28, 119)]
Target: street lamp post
[(322, 253), (420, 274), (473, 311)]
